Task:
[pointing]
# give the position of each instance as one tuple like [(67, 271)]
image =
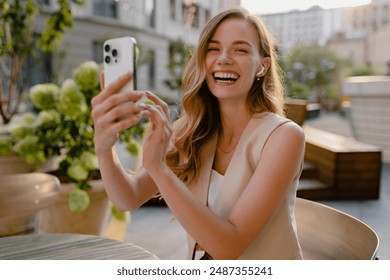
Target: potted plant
[(28, 141), (332, 98), (18, 41), (62, 129)]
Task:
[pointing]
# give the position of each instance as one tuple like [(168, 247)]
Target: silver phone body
[(119, 55)]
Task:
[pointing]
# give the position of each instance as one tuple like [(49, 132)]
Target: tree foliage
[(17, 32), (311, 68), (180, 53)]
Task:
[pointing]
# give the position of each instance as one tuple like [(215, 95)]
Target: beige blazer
[(278, 239)]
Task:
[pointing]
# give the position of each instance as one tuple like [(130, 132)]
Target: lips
[(225, 77)]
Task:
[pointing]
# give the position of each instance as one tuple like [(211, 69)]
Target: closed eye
[(212, 49), (241, 51)]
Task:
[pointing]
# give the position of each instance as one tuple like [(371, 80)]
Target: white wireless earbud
[(261, 71)]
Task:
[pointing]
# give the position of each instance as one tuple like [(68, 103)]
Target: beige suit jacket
[(278, 239)]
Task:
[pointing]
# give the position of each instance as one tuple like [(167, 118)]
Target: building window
[(150, 12), (151, 70), (105, 8), (196, 23), (37, 68), (191, 15), (97, 51), (207, 15), (45, 2), (172, 9)]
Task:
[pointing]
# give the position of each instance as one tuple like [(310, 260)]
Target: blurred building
[(360, 33), (153, 23), (296, 27), (365, 35)]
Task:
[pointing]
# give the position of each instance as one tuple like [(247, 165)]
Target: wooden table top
[(69, 247)]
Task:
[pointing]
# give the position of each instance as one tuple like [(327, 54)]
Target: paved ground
[(152, 228)]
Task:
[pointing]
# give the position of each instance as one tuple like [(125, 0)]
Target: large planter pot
[(14, 165), (21, 197), (59, 219), (370, 110), (18, 165), (330, 104)]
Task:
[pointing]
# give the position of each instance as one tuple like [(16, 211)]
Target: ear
[(265, 64)]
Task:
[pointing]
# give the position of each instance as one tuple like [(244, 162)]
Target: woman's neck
[(233, 124)]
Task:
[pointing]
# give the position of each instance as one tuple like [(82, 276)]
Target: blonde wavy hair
[(200, 117)]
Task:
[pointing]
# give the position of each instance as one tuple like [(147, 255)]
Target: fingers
[(107, 133), (125, 123), (156, 100), (120, 99), (107, 126), (101, 79), (156, 115), (115, 107), (112, 88)]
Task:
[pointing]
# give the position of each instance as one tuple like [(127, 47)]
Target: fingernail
[(142, 113), (140, 105)]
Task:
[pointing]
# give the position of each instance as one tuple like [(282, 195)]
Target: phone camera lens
[(107, 48), (107, 59), (114, 52)]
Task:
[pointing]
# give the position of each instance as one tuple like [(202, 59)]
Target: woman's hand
[(156, 141), (108, 109)]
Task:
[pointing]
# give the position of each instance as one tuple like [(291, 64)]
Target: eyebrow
[(238, 42)]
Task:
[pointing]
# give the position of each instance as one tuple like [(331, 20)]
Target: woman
[(228, 169)]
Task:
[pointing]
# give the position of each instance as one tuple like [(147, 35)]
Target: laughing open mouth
[(225, 77)]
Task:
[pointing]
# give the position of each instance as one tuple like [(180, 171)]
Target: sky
[(278, 6)]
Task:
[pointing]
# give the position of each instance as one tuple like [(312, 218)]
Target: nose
[(224, 58)]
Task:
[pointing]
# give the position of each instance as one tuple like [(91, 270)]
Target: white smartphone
[(119, 57)]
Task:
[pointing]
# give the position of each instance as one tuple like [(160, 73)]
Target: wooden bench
[(296, 110), (346, 168)]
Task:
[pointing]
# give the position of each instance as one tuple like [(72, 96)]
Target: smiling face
[(233, 59)]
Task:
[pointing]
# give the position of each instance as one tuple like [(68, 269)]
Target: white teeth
[(222, 75)]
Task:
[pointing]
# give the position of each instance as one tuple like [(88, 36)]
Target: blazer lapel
[(200, 186)]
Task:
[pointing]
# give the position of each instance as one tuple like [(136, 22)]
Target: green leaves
[(80, 167), (309, 70), (16, 21), (179, 56), (132, 138), (87, 76), (89, 160), (31, 148), (57, 24), (6, 145), (77, 171), (72, 101), (78, 200), (45, 96), (119, 215)]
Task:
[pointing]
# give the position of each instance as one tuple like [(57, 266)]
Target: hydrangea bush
[(62, 127)]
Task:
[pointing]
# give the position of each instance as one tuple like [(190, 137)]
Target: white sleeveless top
[(214, 187)]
